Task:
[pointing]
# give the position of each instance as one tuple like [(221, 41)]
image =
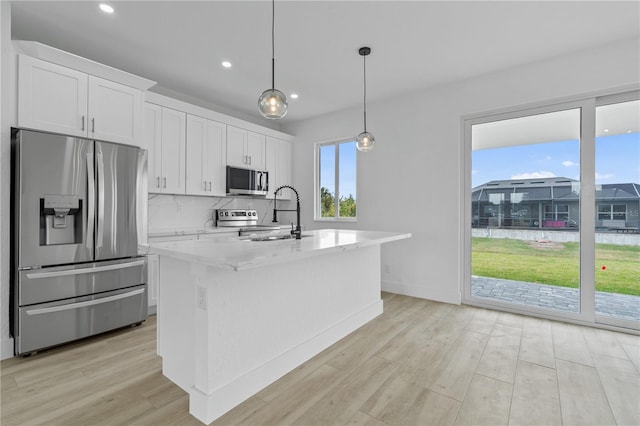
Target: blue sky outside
[(347, 170), (617, 161)]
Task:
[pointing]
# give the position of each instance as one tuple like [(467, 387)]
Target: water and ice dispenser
[(60, 220)]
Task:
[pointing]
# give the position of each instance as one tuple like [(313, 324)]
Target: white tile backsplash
[(183, 211)]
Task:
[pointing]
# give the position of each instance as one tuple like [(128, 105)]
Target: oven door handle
[(41, 311), (37, 275)]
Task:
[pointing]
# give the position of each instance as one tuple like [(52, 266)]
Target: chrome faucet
[(298, 231)]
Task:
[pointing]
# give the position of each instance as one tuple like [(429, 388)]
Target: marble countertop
[(240, 253), (170, 232)]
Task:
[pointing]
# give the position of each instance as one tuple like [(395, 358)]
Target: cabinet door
[(51, 97), (114, 111), (271, 164), (196, 180), (215, 155), (153, 143), (236, 147), (255, 150), (278, 163), (284, 169), (153, 278), (173, 151)]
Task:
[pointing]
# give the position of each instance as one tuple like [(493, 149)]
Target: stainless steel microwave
[(247, 181)]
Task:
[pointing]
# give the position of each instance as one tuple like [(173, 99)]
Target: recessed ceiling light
[(294, 96), (226, 64), (106, 8)]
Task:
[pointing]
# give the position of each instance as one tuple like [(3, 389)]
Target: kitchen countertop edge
[(240, 254)]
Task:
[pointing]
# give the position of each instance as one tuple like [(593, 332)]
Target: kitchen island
[(236, 315)]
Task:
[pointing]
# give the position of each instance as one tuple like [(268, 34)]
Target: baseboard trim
[(450, 296)]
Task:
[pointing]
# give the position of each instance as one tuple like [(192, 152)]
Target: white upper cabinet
[(153, 143), (278, 164), (206, 156), (115, 111), (51, 97), (62, 100), (164, 137), (172, 178), (245, 149)]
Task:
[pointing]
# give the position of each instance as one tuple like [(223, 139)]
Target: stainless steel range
[(246, 221)]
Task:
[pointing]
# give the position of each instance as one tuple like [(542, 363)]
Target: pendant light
[(273, 103), (365, 140)]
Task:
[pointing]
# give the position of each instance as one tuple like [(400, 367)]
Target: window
[(336, 181), (612, 211), (556, 212)]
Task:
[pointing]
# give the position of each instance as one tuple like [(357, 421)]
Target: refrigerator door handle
[(91, 202), (40, 311), (80, 271), (100, 223)]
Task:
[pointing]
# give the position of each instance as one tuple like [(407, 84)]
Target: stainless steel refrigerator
[(78, 215)]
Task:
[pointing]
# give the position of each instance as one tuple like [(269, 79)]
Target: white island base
[(227, 330)]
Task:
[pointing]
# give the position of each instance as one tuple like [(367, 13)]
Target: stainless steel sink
[(276, 237)]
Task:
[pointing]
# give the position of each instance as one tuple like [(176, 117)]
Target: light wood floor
[(419, 363)]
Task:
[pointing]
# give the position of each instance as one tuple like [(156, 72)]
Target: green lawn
[(556, 263)]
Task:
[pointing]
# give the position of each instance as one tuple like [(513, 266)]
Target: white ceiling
[(415, 44)]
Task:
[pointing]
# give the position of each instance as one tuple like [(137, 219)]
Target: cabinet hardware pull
[(82, 123), (93, 125), (165, 182), (158, 182)]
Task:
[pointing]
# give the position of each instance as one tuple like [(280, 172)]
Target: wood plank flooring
[(420, 363)]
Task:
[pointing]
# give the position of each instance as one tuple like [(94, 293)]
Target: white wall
[(411, 181), (7, 119)]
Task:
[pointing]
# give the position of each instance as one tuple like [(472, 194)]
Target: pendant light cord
[(273, 45), (364, 62)]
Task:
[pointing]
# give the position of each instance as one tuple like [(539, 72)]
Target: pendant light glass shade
[(365, 140), (272, 104)]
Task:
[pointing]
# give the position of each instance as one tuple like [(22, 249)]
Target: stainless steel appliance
[(76, 221), (245, 221), (247, 181)]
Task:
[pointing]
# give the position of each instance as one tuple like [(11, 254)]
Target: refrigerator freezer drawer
[(49, 324), (47, 284)]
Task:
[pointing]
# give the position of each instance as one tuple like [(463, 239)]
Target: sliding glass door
[(552, 211), (617, 204)]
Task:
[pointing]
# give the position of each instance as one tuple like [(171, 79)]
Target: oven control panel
[(236, 217)]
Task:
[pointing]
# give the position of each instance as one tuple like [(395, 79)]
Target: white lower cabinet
[(153, 278), (206, 157)]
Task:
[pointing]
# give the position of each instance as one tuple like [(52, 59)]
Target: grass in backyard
[(556, 263)]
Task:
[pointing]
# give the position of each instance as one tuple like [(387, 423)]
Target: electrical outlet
[(201, 297)]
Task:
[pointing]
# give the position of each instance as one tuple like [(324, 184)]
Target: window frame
[(317, 214)]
